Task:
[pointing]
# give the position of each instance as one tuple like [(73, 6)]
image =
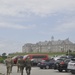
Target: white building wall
[(48, 47)]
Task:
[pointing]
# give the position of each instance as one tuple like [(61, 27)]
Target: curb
[(2, 74)]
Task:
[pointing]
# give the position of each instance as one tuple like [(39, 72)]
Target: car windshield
[(14, 57), (59, 60), (67, 60), (73, 59), (25, 56)]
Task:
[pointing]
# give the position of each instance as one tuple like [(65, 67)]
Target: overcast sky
[(31, 21)]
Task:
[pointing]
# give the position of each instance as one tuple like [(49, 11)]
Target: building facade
[(49, 46)]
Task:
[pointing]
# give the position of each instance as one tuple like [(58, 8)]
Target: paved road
[(35, 71)]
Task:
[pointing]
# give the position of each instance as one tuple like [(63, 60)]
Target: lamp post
[(49, 49), (40, 48)]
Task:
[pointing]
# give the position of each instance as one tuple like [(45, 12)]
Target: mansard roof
[(66, 41), (53, 42), (43, 43)]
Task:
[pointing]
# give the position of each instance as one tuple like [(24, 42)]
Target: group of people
[(21, 64)]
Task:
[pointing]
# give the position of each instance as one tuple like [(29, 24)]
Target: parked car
[(38, 65), (46, 64), (15, 58), (71, 66), (63, 65), (60, 57), (57, 63)]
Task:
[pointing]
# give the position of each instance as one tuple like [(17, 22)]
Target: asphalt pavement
[(34, 71)]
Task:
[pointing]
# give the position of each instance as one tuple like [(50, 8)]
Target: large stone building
[(49, 46)]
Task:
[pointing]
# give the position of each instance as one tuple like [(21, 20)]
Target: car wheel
[(41, 67), (66, 70), (47, 67), (60, 70), (73, 72)]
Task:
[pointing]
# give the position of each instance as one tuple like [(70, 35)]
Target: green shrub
[(1, 60)]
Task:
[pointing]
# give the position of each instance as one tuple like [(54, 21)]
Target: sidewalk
[(2, 69), (2, 74)]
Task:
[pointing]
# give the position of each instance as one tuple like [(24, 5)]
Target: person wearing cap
[(9, 64)]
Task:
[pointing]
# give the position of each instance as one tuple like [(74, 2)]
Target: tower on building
[(52, 38)]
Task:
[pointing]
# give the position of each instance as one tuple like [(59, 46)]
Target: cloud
[(38, 7), (2, 45), (65, 27), (10, 46), (14, 26)]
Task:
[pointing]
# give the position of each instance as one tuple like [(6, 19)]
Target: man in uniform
[(21, 65), (18, 63), (28, 64), (9, 64)]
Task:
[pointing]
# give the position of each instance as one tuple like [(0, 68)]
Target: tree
[(3, 54), (69, 52)]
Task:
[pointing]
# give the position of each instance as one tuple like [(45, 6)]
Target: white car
[(71, 66)]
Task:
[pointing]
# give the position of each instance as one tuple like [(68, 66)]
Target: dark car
[(39, 63), (63, 65), (57, 63), (46, 64)]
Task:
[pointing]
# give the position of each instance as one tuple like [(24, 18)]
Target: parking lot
[(34, 71)]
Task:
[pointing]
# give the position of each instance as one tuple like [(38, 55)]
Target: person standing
[(21, 65), (9, 64), (28, 65), (18, 64)]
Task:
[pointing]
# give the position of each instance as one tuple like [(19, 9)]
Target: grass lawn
[(50, 54)]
